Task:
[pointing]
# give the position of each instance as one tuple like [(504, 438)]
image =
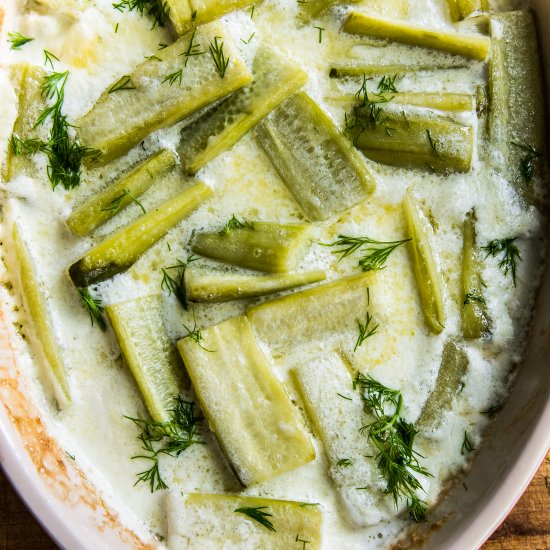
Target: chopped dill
[(116, 204), (235, 223), (174, 77), (320, 29), (387, 84), (94, 308), (252, 11), (158, 10), (467, 446), (64, 153), (304, 542), (218, 55), (344, 462), (527, 165), (366, 330), (193, 49), (16, 39), (125, 83), (510, 254), (473, 297), (376, 253), (249, 39), (393, 438), (257, 513), (169, 438), (433, 143), (195, 334), (49, 57), (176, 284), (343, 396)]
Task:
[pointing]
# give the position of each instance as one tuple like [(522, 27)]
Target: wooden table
[(526, 528)]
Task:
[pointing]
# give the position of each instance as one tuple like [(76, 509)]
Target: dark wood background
[(526, 528)]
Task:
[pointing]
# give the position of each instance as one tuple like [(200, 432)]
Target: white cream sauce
[(402, 355)]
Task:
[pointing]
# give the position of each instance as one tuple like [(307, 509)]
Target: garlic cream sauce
[(98, 45)]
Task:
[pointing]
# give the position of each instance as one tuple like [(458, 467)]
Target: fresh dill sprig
[(235, 223), (320, 29), (125, 83), (467, 446), (16, 39), (365, 330), (116, 204), (195, 334), (376, 252), (49, 58), (344, 462), (174, 77), (193, 49), (218, 55), (510, 254), (169, 438), (393, 438), (527, 165), (257, 513), (249, 39), (157, 9), (93, 307), (252, 11), (368, 114), (387, 84), (473, 297), (64, 153), (176, 284)]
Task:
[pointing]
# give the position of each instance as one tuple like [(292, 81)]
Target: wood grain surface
[(526, 528)]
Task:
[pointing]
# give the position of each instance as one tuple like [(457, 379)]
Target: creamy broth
[(403, 353)]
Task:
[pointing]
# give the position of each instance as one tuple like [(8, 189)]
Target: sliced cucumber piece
[(213, 286), (428, 142), (313, 314), (341, 70), (151, 357), (102, 207), (337, 416), (454, 364), (35, 299), (442, 101), (426, 270), (199, 520), (516, 114), (468, 45), (27, 81), (475, 319), (121, 119), (274, 79), (321, 169), (264, 246), (123, 248), (245, 404), (186, 14)]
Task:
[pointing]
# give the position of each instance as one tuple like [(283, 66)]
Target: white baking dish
[(75, 515)]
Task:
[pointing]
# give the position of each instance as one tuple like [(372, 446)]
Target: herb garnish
[(376, 252), (304, 542), (249, 39), (64, 154), (473, 297), (93, 307), (527, 166), (49, 58), (235, 223), (176, 285), (218, 55), (344, 462), (393, 438), (257, 513), (195, 334), (125, 83), (16, 39), (365, 330), (169, 438), (387, 84), (510, 254), (193, 49), (433, 143), (157, 9), (116, 204), (320, 29), (467, 446), (174, 77)]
